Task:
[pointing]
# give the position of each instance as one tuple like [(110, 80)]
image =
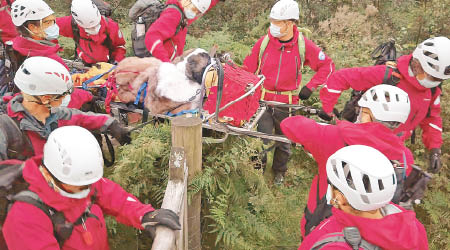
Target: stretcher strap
[(143, 88)]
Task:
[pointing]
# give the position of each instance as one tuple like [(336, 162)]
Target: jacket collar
[(276, 42), (39, 185), (402, 65)]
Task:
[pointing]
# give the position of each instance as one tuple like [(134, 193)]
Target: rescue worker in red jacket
[(68, 179), (38, 33), (166, 37), (281, 64), (97, 38), (360, 189), (378, 117), (35, 112), (420, 74), (7, 29)]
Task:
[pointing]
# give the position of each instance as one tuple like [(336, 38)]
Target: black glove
[(163, 217), (328, 117), (305, 93), (435, 160), (121, 134)]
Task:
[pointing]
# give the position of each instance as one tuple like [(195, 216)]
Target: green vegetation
[(241, 208)]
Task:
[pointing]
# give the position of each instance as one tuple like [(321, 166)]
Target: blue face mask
[(190, 14), (52, 32)]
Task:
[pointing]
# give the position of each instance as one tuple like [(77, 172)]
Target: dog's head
[(193, 63)]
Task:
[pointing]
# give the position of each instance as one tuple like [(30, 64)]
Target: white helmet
[(387, 103), (29, 10), (434, 56), (285, 10), (364, 175), (43, 76), (73, 156), (85, 13), (201, 5)]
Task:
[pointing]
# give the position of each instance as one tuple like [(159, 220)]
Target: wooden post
[(175, 200), (187, 133)]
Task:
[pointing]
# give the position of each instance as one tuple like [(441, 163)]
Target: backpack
[(14, 188), (103, 7), (384, 54), (349, 235), (18, 145), (10, 60), (146, 12), (107, 42), (300, 42)]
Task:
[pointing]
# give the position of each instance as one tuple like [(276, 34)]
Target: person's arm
[(432, 124), (88, 120), (361, 78), (161, 30), (318, 61), (28, 228), (118, 41), (251, 61), (65, 26), (115, 201), (307, 132)]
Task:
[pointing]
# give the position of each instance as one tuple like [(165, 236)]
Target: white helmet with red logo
[(43, 76)]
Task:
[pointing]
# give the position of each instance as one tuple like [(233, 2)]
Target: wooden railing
[(185, 162)]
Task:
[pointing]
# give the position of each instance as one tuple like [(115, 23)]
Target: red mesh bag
[(236, 82)]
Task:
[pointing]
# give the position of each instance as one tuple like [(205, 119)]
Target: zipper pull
[(87, 236)]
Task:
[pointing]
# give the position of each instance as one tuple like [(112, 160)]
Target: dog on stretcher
[(171, 87)]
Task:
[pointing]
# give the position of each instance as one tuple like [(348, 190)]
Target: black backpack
[(10, 61), (14, 188), (145, 12), (384, 54)]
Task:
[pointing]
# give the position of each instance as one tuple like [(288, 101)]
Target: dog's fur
[(170, 87)]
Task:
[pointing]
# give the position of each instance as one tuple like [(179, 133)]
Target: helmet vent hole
[(26, 72), (22, 7), (366, 182), (333, 162), (365, 199), (393, 179), (435, 67), (387, 96), (380, 184), (397, 98), (432, 55), (374, 95), (429, 44), (349, 177)]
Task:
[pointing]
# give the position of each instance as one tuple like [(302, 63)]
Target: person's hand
[(328, 116), (121, 134), (305, 93), (160, 217), (435, 160)]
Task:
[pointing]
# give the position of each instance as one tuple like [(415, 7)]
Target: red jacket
[(93, 44), (38, 133), (323, 140), (7, 27), (27, 227), (425, 106), (281, 65), (397, 230), (28, 47), (161, 40)]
